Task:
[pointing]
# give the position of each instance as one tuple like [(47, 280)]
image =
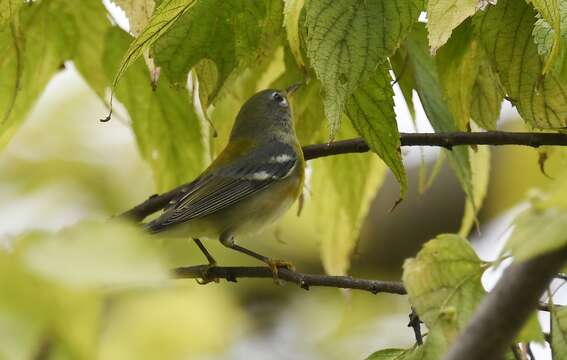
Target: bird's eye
[(279, 99)]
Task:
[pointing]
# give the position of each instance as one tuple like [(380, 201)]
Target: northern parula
[(252, 182)]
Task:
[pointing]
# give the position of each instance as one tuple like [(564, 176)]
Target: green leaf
[(443, 282), (95, 254), (167, 129), (531, 331), (26, 67), (549, 30), (347, 40), (231, 33), (444, 16), (292, 11), (480, 168), (559, 332), (405, 77), (459, 60), (139, 13), (166, 14), (371, 111), (486, 95), (506, 34), (431, 95), (392, 354), (8, 10)]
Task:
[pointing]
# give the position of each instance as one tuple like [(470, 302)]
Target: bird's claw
[(275, 265)]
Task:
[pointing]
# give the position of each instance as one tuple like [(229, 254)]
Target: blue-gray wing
[(226, 186)]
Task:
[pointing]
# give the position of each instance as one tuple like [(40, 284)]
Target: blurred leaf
[(139, 12), (531, 331), (292, 10), (480, 168), (170, 324), (443, 283), (371, 110), (230, 33), (347, 40), (165, 15), (8, 10), (167, 129), (536, 232), (95, 254), (550, 29), (459, 60), (94, 24), (431, 95), (559, 332), (444, 16), (392, 354), (26, 67), (506, 33), (486, 95)]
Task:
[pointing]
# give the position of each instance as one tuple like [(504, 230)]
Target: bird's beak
[(292, 88)]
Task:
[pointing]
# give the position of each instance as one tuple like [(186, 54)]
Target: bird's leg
[(228, 241), (210, 259)]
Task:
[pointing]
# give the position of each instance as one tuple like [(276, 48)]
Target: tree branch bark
[(305, 281), (506, 308), (445, 140)]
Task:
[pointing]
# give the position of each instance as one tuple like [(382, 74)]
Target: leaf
[(444, 16), (548, 31), (165, 15), (506, 31), (486, 95), (431, 95), (392, 354), (371, 110), (559, 332), (292, 11), (405, 77), (95, 254), (459, 60), (139, 12), (347, 40), (480, 168), (167, 129), (8, 10), (443, 282), (33, 50), (230, 33)]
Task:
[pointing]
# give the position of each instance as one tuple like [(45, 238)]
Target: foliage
[(186, 64)]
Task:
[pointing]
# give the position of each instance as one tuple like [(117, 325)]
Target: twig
[(415, 324), (305, 281), (506, 308), (446, 140)]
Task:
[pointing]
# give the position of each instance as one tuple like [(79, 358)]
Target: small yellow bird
[(252, 182)]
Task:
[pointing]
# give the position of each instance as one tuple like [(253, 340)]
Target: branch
[(305, 281), (446, 140), (506, 308)]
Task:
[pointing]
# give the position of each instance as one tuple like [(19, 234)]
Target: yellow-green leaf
[(232, 34), (371, 110), (167, 129), (487, 95), (506, 33), (431, 95), (444, 16), (26, 67), (292, 11), (392, 354), (559, 332), (9, 9), (166, 14), (443, 281), (96, 254), (138, 12), (549, 29), (346, 40)]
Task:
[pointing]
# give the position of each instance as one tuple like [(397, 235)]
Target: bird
[(251, 183)]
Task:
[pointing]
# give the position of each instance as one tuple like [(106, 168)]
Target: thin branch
[(446, 140), (506, 308), (415, 324), (305, 281)]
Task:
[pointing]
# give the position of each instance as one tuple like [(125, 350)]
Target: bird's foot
[(275, 265), (205, 275)]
